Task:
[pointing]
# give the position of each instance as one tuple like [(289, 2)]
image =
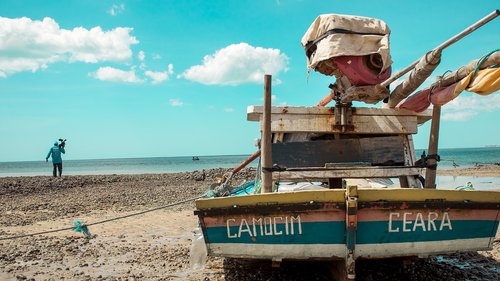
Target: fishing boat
[(322, 190)]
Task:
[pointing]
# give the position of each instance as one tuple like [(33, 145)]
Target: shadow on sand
[(455, 267)]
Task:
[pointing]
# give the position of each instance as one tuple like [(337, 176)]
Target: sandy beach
[(480, 170), (157, 245)]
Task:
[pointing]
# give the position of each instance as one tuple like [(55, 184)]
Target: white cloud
[(458, 115), (176, 102), (116, 75), (141, 56), (156, 56), (237, 64), (158, 77), (116, 9), (465, 107), (228, 109), (30, 45)]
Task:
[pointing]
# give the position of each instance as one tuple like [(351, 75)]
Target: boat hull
[(385, 223)]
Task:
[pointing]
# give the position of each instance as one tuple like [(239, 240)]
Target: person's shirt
[(55, 152)]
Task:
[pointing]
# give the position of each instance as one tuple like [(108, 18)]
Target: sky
[(123, 79)]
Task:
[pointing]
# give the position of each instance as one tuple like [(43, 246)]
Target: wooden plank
[(410, 160), (375, 150), (363, 124), (430, 173), (418, 194), (338, 196), (254, 112), (348, 172), (326, 195), (278, 137), (266, 148)]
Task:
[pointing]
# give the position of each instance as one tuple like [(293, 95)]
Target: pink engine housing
[(362, 70)]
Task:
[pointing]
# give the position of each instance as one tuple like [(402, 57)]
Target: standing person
[(55, 152)]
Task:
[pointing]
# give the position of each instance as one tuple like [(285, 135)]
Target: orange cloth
[(485, 82)]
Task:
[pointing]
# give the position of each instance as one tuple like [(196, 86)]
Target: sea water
[(151, 165), (465, 157), (461, 157)]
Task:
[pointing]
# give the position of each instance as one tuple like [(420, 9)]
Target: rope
[(481, 61), (105, 221), (468, 186)]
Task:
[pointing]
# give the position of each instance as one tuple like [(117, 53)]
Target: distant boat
[(196, 158)]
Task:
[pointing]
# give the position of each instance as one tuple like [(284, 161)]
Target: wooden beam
[(322, 120), (362, 124), (254, 112), (410, 159), (430, 173), (347, 172), (266, 158)]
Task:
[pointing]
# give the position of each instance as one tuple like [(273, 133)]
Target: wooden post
[(266, 155), (430, 173), (491, 16)]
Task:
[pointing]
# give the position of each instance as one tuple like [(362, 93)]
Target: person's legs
[(59, 167), (55, 170)]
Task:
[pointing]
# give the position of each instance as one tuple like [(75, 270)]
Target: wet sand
[(157, 245), (477, 171)]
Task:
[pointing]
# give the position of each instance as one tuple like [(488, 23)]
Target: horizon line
[(216, 155)]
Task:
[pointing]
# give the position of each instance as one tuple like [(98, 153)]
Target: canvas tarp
[(333, 35)]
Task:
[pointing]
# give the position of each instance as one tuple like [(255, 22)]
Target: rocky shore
[(157, 245)]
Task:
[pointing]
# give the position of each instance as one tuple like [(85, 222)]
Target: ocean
[(150, 165), (463, 157), (466, 157)]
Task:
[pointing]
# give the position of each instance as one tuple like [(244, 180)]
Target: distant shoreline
[(215, 155), (482, 170), (134, 158)]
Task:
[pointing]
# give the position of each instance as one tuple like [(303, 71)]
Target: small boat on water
[(322, 190), (196, 158)]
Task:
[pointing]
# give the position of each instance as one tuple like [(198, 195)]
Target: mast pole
[(430, 172), (266, 152), (446, 44)]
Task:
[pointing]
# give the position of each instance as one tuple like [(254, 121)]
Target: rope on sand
[(81, 227)]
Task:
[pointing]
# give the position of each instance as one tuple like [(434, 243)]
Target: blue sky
[(174, 78)]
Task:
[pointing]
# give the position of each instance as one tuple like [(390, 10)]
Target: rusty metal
[(269, 209), (343, 117)]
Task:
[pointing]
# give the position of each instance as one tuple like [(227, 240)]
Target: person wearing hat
[(55, 152)]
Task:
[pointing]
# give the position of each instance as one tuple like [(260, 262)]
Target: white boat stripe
[(322, 251)]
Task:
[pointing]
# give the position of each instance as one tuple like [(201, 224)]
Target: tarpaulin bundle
[(480, 81), (333, 35)]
